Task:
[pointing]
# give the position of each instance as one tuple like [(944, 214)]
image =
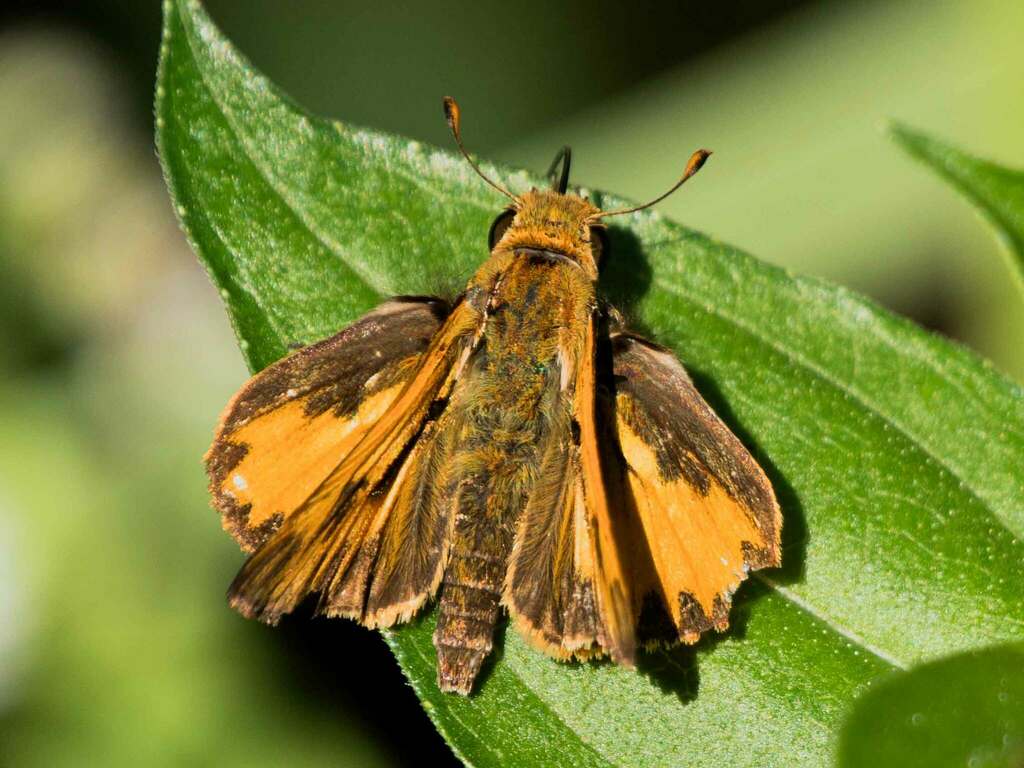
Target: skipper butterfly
[(516, 450)]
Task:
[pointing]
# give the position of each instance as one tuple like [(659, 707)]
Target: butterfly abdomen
[(496, 469), (468, 611), (505, 416)]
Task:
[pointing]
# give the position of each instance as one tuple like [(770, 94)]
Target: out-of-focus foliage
[(304, 224), (965, 710), (115, 643), (998, 192)]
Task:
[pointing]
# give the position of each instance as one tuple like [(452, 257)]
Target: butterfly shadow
[(625, 273), (675, 670), (347, 672)]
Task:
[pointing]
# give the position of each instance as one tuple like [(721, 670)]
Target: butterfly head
[(551, 222), (556, 221)]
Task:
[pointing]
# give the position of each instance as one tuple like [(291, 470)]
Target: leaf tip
[(909, 139)]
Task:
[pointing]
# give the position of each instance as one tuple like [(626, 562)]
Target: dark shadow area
[(497, 653), (626, 274), (349, 670), (932, 299), (34, 342), (675, 669)]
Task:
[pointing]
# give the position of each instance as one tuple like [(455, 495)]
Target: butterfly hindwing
[(707, 512), (414, 543), (647, 514), (549, 586)]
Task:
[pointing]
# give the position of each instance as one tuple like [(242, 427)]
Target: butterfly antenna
[(452, 115), (697, 159)]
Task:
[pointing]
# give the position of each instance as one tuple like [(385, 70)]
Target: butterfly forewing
[(328, 536), (291, 424), (706, 510)]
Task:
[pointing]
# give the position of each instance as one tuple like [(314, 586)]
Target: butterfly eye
[(599, 244), (503, 222)]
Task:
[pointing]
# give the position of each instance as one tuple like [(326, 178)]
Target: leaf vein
[(849, 634)]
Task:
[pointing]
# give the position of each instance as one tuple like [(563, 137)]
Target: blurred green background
[(116, 645)]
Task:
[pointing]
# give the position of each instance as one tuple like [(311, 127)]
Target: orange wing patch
[(696, 540), (291, 452)]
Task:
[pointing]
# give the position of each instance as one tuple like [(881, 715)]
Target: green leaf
[(967, 710), (997, 192), (896, 454)]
